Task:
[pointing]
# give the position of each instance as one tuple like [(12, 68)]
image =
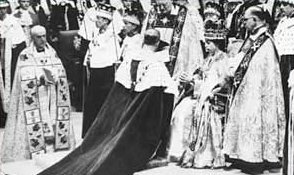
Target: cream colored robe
[(38, 119), (256, 122)]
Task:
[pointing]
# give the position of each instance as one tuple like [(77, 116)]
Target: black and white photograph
[(146, 87)]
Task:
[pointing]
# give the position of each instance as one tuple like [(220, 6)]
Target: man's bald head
[(258, 12), (152, 37), (254, 17), (38, 34)]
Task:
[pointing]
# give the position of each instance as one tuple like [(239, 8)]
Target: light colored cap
[(105, 11), (4, 3), (132, 19)]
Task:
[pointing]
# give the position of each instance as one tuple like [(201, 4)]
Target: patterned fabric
[(146, 76), (243, 66), (256, 121), (184, 39), (9, 28), (196, 123), (39, 113), (170, 21), (149, 63), (205, 139), (284, 35), (130, 51)]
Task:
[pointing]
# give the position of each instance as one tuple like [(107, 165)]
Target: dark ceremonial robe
[(182, 29), (127, 129)]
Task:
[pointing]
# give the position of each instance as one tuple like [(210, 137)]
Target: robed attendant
[(285, 46), (39, 112), (127, 129), (181, 26), (11, 46), (254, 133)]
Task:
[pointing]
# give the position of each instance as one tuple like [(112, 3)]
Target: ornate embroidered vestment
[(176, 22), (40, 99)]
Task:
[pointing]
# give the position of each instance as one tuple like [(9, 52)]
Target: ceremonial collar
[(260, 31)]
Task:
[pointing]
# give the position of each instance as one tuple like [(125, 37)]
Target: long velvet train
[(123, 137)]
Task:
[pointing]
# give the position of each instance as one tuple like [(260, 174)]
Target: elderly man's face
[(39, 39), (249, 21)]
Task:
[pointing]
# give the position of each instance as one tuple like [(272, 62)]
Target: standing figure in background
[(26, 17), (131, 45), (64, 16), (181, 26), (229, 8), (127, 6), (101, 41), (236, 28), (285, 46), (39, 116), (42, 9), (12, 42), (254, 132)]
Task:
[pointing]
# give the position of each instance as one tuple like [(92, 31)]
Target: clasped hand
[(185, 78)]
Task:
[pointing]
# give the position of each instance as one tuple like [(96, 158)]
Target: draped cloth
[(10, 48), (256, 122), (39, 114), (195, 122), (183, 29), (129, 125), (123, 137), (289, 158), (6, 59), (1, 94)]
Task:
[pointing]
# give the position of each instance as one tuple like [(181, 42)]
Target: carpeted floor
[(31, 168)]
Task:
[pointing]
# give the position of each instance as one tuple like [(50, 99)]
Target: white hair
[(37, 29)]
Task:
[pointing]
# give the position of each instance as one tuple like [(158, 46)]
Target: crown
[(211, 11), (135, 14), (215, 30), (105, 10)]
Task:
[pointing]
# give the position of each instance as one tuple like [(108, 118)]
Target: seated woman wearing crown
[(201, 137)]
